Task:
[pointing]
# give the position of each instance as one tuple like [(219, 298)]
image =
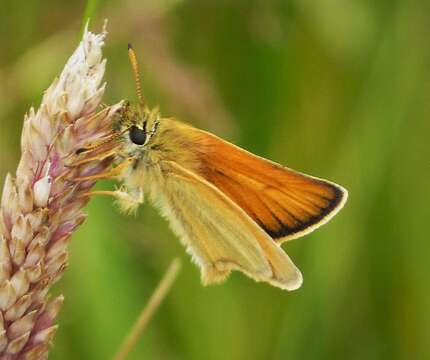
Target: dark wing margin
[(286, 204)]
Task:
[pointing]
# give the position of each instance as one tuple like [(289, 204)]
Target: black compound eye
[(137, 136)]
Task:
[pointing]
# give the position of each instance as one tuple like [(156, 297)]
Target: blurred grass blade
[(90, 10), (154, 302)]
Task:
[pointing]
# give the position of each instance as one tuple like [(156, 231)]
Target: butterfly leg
[(93, 158), (108, 174), (94, 145), (127, 200)]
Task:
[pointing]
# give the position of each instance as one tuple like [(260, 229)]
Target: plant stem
[(89, 12), (154, 302)]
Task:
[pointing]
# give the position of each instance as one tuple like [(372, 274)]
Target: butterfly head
[(137, 122), (138, 125)]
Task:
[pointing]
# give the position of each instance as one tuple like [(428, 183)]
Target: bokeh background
[(338, 89)]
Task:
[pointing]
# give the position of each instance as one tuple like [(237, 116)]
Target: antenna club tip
[(130, 47)]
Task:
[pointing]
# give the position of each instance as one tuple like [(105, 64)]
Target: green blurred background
[(337, 89)]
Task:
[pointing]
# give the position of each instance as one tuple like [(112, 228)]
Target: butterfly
[(230, 208)]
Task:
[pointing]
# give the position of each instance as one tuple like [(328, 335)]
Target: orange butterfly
[(230, 208)]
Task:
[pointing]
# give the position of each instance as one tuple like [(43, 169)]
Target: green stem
[(89, 13)]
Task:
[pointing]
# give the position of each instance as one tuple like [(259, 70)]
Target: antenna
[(135, 66)]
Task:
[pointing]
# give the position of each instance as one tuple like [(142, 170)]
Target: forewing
[(286, 204), (220, 235)]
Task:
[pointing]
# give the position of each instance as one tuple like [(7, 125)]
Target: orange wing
[(283, 202)]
